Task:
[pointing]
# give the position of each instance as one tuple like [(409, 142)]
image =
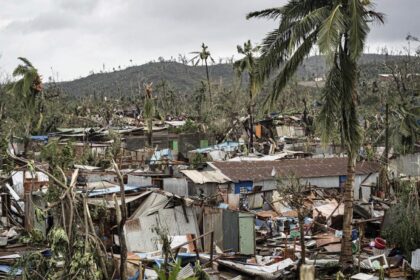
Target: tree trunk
[(346, 257), (121, 223), (386, 160), (208, 80), (301, 219), (149, 132), (251, 124)]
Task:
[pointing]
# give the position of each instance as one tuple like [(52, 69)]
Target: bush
[(404, 229)]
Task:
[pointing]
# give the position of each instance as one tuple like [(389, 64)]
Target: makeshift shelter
[(164, 211), (206, 183)]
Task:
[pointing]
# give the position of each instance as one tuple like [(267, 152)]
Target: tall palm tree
[(26, 90), (248, 64), (339, 29), (203, 56)]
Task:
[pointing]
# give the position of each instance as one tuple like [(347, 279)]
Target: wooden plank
[(333, 248)]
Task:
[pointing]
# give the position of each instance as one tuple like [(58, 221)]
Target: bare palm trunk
[(149, 132), (346, 257), (121, 223), (208, 80), (251, 124)]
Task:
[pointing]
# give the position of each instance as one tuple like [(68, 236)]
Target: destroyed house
[(160, 211), (207, 183), (325, 173)]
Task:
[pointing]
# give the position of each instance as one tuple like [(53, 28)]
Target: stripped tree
[(149, 111), (204, 56), (248, 64)]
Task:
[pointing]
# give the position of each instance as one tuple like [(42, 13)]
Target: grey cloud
[(41, 23), (401, 18), (79, 6), (79, 35)]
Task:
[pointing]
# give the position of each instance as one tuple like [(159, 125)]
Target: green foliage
[(114, 151), (405, 128), (197, 160), (57, 155), (26, 92), (83, 264), (339, 30), (173, 274), (34, 266), (34, 236), (404, 230), (58, 240)]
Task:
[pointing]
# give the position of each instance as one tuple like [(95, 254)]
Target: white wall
[(329, 182), (408, 165)]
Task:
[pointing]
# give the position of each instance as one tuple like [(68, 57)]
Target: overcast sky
[(73, 37)]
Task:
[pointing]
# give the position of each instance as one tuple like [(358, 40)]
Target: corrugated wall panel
[(230, 231)]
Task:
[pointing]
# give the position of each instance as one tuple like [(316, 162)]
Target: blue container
[(354, 234)]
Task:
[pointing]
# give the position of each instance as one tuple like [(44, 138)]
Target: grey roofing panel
[(302, 168)]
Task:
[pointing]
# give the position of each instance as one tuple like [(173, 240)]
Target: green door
[(246, 233)]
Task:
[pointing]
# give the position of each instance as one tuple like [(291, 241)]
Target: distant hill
[(186, 78), (179, 77)]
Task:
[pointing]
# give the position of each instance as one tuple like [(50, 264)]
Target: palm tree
[(149, 111), (204, 56), (26, 90), (248, 64), (339, 29)]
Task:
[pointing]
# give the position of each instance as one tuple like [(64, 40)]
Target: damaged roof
[(214, 176), (301, 168)]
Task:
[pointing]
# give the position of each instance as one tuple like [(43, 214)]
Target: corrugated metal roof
[(206, 176), (114, 189), (301, 168), (110, 202)]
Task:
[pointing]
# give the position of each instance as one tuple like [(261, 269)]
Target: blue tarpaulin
[(8, 269), (43, 138)]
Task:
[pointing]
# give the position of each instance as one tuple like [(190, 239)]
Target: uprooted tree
[(76, 251)]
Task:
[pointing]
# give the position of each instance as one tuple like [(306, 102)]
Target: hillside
[(179, 77), (185, 78)]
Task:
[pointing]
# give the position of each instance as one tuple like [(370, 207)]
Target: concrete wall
[(329, 182), (408, 165)]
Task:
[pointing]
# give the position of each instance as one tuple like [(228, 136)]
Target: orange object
[(258, 130)]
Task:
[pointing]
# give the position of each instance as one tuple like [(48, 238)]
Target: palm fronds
[(331, 31)]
